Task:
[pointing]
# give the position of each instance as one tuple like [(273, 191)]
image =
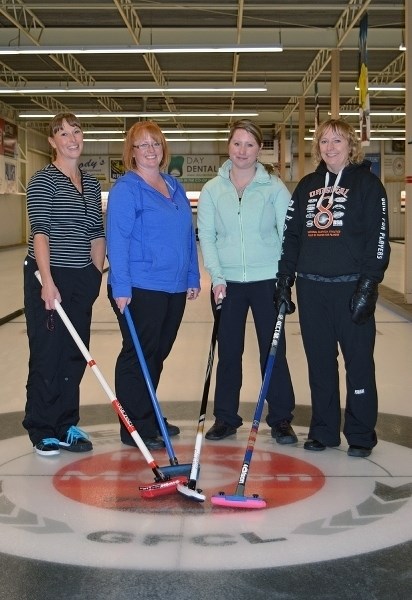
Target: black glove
[(363, 302), (283, 293)]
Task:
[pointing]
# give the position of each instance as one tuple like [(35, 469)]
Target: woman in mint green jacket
[(241, 216)]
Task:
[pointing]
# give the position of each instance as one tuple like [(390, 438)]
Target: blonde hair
[(138, 131), (340, 127)]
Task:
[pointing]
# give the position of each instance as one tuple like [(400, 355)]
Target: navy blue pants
[(157, 317), (326, 326), (258, 297), (56, 365)]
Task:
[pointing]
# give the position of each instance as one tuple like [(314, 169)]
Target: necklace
[(75, 178), (240, 188)]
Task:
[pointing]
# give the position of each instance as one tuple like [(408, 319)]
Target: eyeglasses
[(146, 145)]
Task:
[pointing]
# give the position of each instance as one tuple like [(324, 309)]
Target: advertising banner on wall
[(10, 171), (116, 169), (98, 166), (194, 168), (8, 139)]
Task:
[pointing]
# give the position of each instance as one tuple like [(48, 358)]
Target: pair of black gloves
[(362, 304)]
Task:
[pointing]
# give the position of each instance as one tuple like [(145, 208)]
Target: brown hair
[(342, 128), (248, 126), (136, 132), (256, 132), (56, 124)]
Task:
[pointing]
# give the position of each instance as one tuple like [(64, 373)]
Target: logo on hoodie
[(325, 211)]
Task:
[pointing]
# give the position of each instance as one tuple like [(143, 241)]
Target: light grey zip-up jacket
[(241, 239)]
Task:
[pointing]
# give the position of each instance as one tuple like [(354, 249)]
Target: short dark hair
[(56, 124)]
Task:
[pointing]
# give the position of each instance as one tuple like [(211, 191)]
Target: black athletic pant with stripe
[(326, 326)]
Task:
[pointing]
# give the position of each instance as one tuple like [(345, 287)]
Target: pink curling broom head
[(237, 501)]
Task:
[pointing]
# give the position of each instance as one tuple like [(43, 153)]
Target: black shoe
[(219, 431), (76, 440), (172, 430), (152, 443), (359, 451), (47, 447), (314, 445), (284, 434)]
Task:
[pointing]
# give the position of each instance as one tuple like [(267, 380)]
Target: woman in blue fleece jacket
[(153, 269), (241, 216)]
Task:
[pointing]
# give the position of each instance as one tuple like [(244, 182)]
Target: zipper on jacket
[(242, 241)]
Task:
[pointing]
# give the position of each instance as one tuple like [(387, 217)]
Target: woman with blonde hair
[(336, 244)]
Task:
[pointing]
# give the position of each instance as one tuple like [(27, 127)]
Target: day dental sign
[(194, 168)]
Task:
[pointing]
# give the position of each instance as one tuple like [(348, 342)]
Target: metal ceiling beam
[(134, 26), (130, 18), (346, 22), (212, 6), (27, 22), (23, 19), (11, 78)]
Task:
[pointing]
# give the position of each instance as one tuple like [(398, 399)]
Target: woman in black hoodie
[(336, 243)]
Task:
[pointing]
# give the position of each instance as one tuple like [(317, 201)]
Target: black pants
[(157, 317), (326, 323), (56, 365), (258, 296)]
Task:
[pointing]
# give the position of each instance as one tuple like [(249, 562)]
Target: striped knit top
[(69, 218)]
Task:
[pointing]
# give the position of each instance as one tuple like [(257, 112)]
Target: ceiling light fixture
[(188, 49), (384, 88), (135, 90), (373, 138), (374, 114), (187, 139), (136, 115), (165, 131), (383, 130)]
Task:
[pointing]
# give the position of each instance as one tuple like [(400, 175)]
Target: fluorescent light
[(191, 139), (135, 90), (387, 114), (187, 139), (383, 130), (373, 139), (165, 131), (103, 139), (103, 131), (188, 49), (185, 131), (384, 88), (374, 114), (135, 115)]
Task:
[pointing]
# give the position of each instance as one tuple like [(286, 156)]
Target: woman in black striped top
[(67, 246)]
